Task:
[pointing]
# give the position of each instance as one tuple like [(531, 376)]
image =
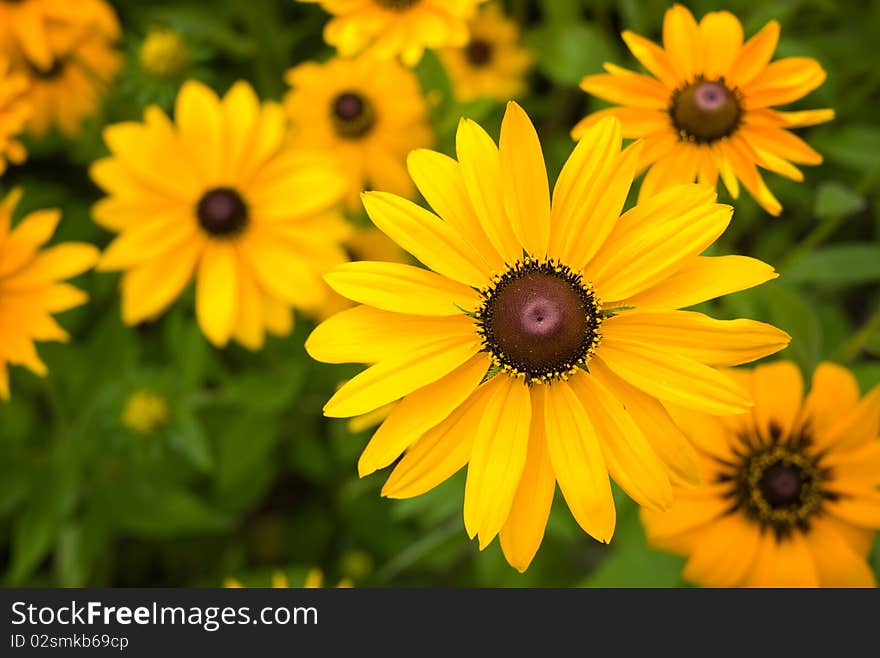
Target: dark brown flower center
[(396, 5), (777, 483), (539, 320), (478, 52), (706, 110), (353, 115), (222, 212), (55, 69)]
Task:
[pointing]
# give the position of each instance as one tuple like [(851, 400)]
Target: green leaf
[(567, 51), (189, 439), (790, 312), (842, 264), (855, 146), (159, 510), (835, 200)]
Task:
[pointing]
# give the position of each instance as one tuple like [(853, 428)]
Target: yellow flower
[(538, 347), (789, 492), (163, 53), (492, 64), (37, 30), (386, 28), (14, 113), (218, 196), (314, 580), (370, 114), (32, 286), (707, 111), (72, 88), (145, 412)]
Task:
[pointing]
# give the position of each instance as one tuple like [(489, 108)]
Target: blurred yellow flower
[(36, 31), (72, 88), (386, 28), (145, 412), (14, 113), (368, 113), (164, 53), (789, 492), (32, 286), (493, 63), (218, 195), (538, 346), (706, 112), (314, 580)]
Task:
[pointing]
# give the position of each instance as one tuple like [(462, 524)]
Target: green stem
[(404, 560), (854, 345)]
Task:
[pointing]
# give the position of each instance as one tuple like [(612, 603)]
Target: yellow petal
[(784, 81), (481, 167), (524, 183), (523, 531), (368, 335), (217, 292), (426, 237), (722, 37), (402, 289), (698, 337), (627, 88), (197, 113), (834, 393), (419, 411), (725, 552), (577, 460), (53, 264), (859, 425), (838, 564), (149, 289), (754, 55), (281, 270), (498, 457), (679, 528), (240, 109), (778, 390), (675, 378), (701, 278), (398, 376), (783, 563), (681, 39), (653, 58)]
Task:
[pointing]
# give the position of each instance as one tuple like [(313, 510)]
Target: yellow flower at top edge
[(218, 195), (37, 30), (545, 338), (32, 286), (369, 113), (707, 111), (493, 63), (789, 493), (387, 28), (14, 113), (314, 580)]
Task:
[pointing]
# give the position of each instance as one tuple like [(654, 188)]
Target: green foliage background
[(247, 477)]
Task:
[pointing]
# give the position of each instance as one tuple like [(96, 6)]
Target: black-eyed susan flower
[(368, 113), (37, 30), (32, 286), (706, 109), (789, 493), (386, 28), (164, 53), (493, 63), (314, 580), (14, 113), (539, 343), (73, 87), (217, 195)]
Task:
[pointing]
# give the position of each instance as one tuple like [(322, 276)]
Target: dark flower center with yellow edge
[(222, 212), (539, 320), (54, 71), (706, 111), (353, 115), (778, 484), (478, 53), (396, 5)]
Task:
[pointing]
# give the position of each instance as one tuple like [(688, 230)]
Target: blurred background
[(228, 469)]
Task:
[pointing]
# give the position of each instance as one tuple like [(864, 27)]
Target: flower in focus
[(493, 63), (32, 286), (386, 28), (707, 110), (217, 195), (314, 580), (36, 31), (370, 114), (14, 113), (789, 492), (145, 412), (72, 88), (163, 53), (541, 343)]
